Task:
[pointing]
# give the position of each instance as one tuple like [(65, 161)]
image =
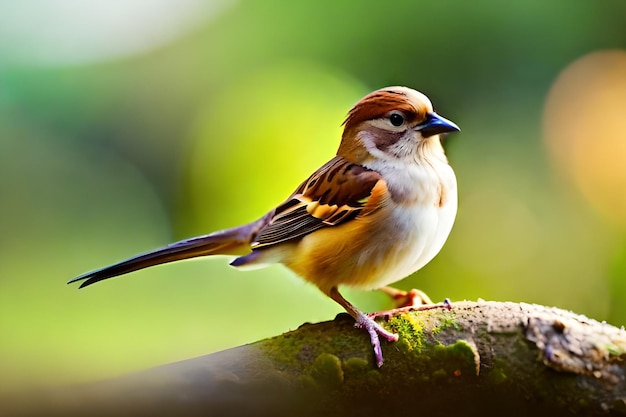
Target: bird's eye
[(396, 119)]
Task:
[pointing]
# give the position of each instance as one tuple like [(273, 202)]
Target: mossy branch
[(479, 358)]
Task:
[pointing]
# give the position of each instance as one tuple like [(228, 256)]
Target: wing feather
[(336, 193)]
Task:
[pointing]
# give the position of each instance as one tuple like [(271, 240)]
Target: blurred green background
[(126, 125)]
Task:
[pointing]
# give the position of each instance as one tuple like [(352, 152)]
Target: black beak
[(435, 125)]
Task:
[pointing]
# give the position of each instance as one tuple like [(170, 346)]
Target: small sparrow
[(378, 211)]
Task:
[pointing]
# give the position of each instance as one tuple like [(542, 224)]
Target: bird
[(378, 211)]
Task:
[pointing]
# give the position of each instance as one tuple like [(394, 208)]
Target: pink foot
[(374, 329), (446, 304)]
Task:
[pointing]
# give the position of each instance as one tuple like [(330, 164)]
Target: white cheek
[(405, 147)]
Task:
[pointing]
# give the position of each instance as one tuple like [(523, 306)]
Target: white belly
[(420, 228), (419, 235)]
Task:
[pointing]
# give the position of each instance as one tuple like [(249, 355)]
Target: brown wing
[(335, 193)]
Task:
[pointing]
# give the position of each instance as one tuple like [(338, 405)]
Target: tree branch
[(479, 358)]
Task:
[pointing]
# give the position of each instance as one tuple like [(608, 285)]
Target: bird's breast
[(425, 183)]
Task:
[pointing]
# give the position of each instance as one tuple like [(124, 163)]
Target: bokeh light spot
[(585, 129)]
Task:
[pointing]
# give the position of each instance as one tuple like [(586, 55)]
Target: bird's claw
[(374, 329), (366, 321)]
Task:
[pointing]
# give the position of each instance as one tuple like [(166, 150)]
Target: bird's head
[(392, 123)]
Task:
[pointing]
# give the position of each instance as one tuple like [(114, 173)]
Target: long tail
[(227, 242)]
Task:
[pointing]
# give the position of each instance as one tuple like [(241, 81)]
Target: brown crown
[(380, 102)]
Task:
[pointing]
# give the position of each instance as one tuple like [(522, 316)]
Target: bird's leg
[(411, 298), (363, 321)]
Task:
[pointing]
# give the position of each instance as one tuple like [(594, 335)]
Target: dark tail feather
[(227, 242)]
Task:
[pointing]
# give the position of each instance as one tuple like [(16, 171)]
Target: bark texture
[(479, 358)]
